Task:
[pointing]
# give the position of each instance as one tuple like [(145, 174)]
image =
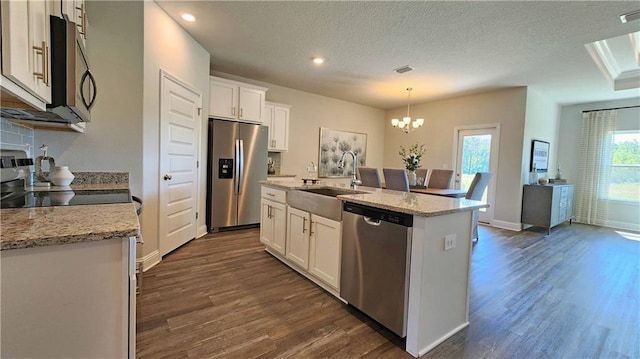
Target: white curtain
[(594, 166)]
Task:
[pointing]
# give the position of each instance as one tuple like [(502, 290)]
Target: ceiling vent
[(403, 69)]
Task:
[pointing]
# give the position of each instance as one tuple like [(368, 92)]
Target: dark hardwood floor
[(574, 294)]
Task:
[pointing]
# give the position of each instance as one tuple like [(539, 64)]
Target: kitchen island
[(438, 295), (68, 280)]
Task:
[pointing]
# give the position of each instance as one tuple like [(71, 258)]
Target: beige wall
[(309, 112), (621, 214), (506, 107), (112, 139), (168, 47)]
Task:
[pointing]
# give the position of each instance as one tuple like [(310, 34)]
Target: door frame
[(162, 76), (493, 164)]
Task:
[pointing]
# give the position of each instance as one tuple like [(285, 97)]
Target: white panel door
[(180, 122)]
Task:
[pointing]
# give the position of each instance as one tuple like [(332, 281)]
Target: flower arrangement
[(411, 158)]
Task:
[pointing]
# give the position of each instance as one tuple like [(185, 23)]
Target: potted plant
[(411, 158)]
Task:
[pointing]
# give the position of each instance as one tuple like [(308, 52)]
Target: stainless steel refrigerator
[(237, 162)]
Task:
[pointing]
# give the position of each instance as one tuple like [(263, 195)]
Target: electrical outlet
[(449, 242)]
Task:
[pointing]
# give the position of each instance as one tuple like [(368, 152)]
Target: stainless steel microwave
[(73, 87), (73, 90)]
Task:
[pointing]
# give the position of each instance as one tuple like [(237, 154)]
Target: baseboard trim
[(202, 231), (507, 225), (622, 225), (149, 260), (439, 341)]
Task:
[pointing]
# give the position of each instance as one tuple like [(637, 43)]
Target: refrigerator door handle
[(240, 166), (236, 169)]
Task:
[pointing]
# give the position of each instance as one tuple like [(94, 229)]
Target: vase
[(61, 176), (412, 178)]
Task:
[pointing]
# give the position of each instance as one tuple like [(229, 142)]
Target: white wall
[(506, 107), (309, 112), (112, 141), (621, 214), (167, 47), (541, 123)]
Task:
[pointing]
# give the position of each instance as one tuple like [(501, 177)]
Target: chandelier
[(406, 124)]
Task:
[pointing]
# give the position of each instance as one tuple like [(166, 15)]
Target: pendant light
[(406, 124)]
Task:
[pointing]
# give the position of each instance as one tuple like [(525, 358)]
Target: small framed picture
[(539, 155)]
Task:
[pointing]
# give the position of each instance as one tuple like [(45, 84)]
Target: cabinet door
[(280, 131), (223, 100), (251, 104), (325, 251), (298, 226), (25, 46), (279, 218), (267, 120), (40, 33), (266, 223)]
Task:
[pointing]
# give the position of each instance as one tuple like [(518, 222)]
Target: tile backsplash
[(16, 137)]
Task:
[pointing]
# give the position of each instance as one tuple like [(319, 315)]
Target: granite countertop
[(45, 226), (280, 175), (412, 203)]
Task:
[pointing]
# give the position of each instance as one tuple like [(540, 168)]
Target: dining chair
[(440, 178), (477, 187), (422, 173), (396, 179), (369, 177)]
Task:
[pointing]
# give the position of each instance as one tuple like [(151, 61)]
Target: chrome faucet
[(354, 181)]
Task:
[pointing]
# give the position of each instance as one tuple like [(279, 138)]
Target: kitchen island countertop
[(405, 202)]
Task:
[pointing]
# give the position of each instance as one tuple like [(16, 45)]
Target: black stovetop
[(65, 198)]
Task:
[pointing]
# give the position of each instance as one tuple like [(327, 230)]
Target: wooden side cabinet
[(548, 205)]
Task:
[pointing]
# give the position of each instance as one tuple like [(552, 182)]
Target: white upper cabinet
[(277, 118), (74, 11), (236, 101), (26, 50)]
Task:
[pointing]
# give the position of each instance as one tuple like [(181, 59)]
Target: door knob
[(167, 177)]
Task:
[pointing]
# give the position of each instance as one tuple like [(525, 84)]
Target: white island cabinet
[(313, 244), (437, 304), (273, 219)]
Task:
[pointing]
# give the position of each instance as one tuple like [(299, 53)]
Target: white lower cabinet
[(325, 250), (314, 244), (298, 223), (273, 225)]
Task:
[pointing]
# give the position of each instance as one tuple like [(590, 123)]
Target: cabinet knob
[(167, 177)]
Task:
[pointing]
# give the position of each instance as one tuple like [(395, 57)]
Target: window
[(624, 183)]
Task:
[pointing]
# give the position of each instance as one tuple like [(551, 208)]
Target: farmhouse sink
[(320, 201)]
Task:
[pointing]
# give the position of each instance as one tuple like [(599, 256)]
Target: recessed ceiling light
[(318, 60), (630, 16), (188, 17)]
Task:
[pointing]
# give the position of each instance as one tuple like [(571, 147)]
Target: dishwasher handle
[(371, 222)]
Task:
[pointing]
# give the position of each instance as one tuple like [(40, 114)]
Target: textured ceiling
[(455, 47)]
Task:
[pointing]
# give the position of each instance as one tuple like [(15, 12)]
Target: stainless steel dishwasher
[(376, 247)]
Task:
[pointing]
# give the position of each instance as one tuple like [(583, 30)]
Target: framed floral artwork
[(333, 143)]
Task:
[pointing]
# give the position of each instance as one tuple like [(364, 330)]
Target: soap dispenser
[(52, 164)]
